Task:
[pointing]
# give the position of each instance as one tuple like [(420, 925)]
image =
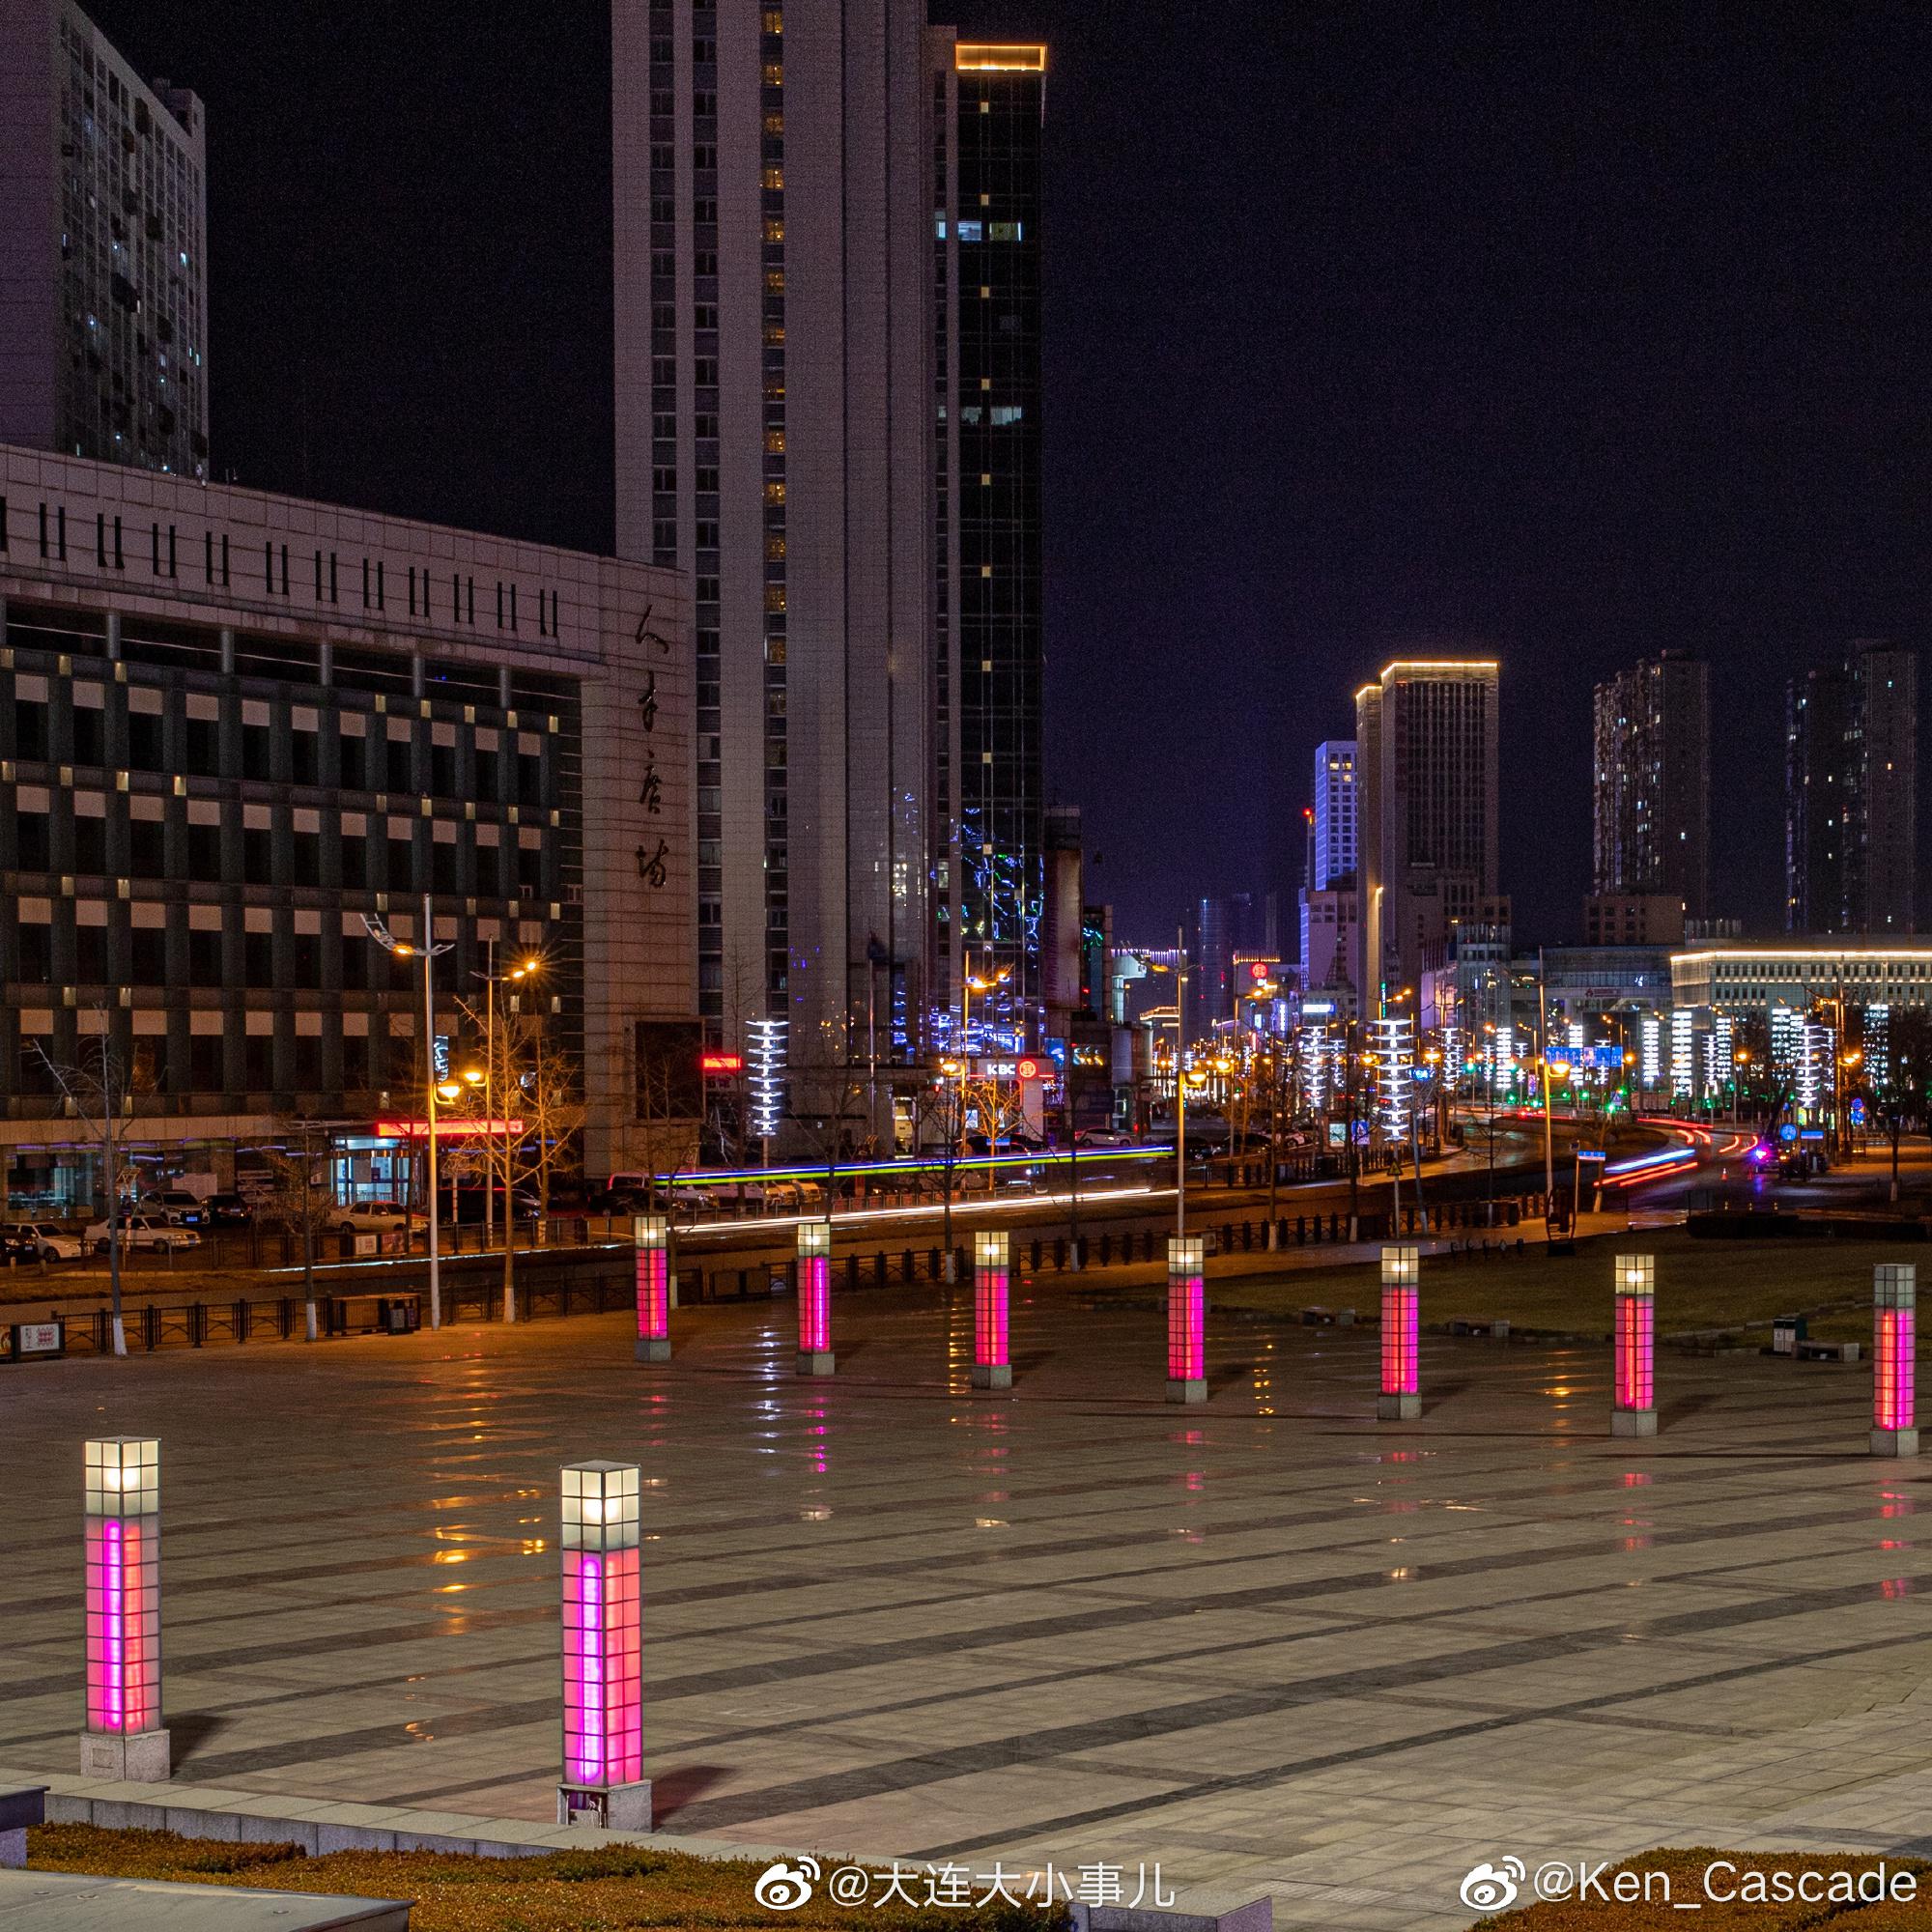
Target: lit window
[(773, 73), (971, 230), (775, 228), (775, 177)]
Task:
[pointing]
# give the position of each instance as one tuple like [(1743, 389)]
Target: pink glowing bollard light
[(123, 1738), (1894, 1376), (993, 1367), (815, 1298), (651, 1232), (1401, 1396), (1186, 1319), (1633, 1394), (603, 1649)]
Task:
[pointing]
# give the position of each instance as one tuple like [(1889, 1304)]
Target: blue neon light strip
[(817, 1170)]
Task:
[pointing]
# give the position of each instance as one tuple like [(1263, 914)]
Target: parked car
[(50, 1243), (471, 1211), (18, 1246), (178, 1205), (371, 1217), (229, 1210), (143, 1231), (1102, 1137)]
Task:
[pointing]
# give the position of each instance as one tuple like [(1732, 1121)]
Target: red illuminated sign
[(1029, 1069), (445, 1128), (721, 1063)]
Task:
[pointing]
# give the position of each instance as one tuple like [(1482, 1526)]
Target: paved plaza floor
[(1267, 1642)]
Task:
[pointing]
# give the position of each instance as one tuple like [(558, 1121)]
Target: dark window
[(308, 1063), (304, 758), (402, 864), (204, 959), (144, 742), (147, 848), (355, 963), (309, 858), (204, 749), (204, 854), (399, 764), (258, 858), (529, 780), (306, 963), (257, 1063), (204, 1061), (442, 769), (258, 958), (29, 729), (354, 763), (90, 735), (355, 863), (36, 846), (530, 869), (89, 844), (36, 953), (150, 958), (90, 955), (256, 751), (443, 868)]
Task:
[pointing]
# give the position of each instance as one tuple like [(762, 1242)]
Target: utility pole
[(1543, 1073), (1179, 1083)]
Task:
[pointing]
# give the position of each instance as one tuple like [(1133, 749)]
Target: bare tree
[(666, 1134), (532, 1088), (297, 1197), (97, 1089)]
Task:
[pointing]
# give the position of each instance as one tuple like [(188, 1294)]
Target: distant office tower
[(103, 293), (1851, 801), (1426, 767), (774, 438), (1653, 781), (1335, 823), (1236, 923), (987, 105)]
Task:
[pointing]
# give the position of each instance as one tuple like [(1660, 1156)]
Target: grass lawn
[(1731, 1286), (1744, 1897), (609, 1888)]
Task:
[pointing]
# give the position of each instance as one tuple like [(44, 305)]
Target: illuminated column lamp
[(815, 1298), (124, 1738), (652, 1235), (765, 1071), (1186, 1319), (1895, 1378), (1633, 1396), (1401, 1398), (603, 1650), (992, 1369)]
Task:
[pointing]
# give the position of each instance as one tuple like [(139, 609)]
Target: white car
[(55, 1244), (144, 1230), (372, 1217), (1104, 1137)]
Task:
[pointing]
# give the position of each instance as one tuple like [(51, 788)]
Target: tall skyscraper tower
[(987, 107), (1851, 800), (103, 293), (1426, 742), (774, 438), (1652, 792), (1336, 825)]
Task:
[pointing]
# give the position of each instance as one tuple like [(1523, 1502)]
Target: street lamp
[(398, 948)]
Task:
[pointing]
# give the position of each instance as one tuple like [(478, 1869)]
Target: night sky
[(1576, 331)]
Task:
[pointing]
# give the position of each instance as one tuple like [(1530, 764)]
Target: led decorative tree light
[(1186, 1320), (603, 1650), (652, 1235), (1401, 1398), (992, 1369), (123, 1737), (1633, 1397), (815, 1298), (1894, 1381)]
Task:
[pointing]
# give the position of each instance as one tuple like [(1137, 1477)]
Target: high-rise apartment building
[(1652, 790), (987, 106), (103, 206), (1851, 799), (1335, 824), (1427, 771), (774, 270)]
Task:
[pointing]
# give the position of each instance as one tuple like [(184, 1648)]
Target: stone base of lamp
[(1894, 1442), (1187, 1391), (614, 1807), (1398, 1408), (1633, 1422), (992, 1374), (653, 1349), (138, 1758), (816, 1362)]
